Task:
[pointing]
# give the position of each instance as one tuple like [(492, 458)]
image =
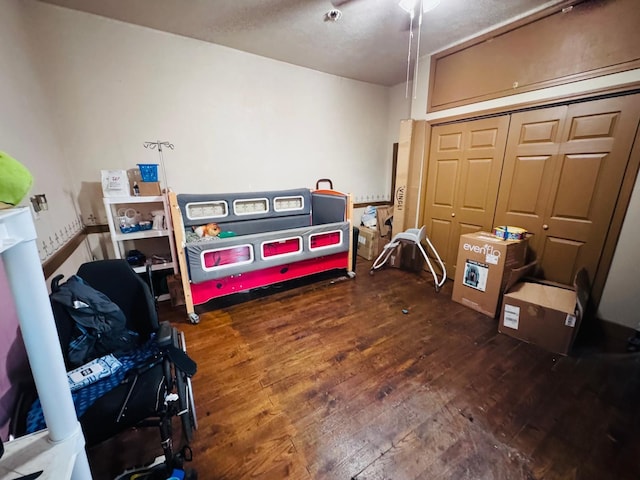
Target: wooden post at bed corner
[(350, 270), (178, 231)]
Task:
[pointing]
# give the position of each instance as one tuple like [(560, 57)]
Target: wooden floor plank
[(380, 377)]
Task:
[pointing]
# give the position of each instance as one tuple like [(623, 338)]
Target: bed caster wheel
[(194, 318), (437, 289), (351, 274)]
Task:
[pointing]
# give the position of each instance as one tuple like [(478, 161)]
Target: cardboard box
[(368, 243), (148, 189), (483, 267), (544, 314), (384, 221), (402, 175), (176, 293)]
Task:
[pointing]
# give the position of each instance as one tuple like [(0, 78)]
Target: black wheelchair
[(151, 394)]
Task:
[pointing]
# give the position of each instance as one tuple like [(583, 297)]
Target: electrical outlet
[(34, 212)]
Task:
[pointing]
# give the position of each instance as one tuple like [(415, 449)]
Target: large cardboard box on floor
[(483, 267), (547, 315), (368, 243)]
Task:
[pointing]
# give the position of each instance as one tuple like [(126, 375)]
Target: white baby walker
[(416, 236)]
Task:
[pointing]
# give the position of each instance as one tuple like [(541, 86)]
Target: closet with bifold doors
[(463, 179), (557, 172)]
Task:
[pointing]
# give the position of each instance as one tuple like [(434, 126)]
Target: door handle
[(453, 214), (545, 227)]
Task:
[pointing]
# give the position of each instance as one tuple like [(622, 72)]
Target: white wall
[(622, 293), (27, 128), (239, 122), (27, 133), (620, 301), (399, 108)]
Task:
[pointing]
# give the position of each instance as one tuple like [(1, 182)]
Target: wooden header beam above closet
[(569, 42)]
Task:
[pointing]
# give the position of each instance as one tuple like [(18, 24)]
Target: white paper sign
[(115, 183), (570, 320), (511, 316), (492, 259)]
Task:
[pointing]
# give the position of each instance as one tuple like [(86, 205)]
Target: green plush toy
[(15, 181)]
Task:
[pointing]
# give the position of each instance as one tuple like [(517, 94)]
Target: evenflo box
[(484, 264), (547, 315)]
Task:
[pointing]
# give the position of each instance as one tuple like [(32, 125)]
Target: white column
[(31, 298)]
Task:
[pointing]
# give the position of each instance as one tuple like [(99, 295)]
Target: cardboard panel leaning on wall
[(416, 162), (402, 176), (411, 150)]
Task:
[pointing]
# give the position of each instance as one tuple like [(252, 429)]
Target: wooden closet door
[(593, 157), (567, 200), (530, 162), (465, 164)]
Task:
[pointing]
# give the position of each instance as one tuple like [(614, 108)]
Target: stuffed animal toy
[(15, 181), (208, 230)]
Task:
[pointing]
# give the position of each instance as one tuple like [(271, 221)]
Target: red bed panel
[(205, 291)]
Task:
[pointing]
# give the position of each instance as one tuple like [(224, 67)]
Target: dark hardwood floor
[(333, 380)]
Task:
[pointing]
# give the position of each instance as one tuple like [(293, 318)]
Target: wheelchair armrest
[(164, 336), (167, 339)]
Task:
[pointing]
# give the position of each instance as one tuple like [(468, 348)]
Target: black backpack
[(89, 324)]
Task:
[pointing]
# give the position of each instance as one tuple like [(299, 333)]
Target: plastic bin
[(148, 172)]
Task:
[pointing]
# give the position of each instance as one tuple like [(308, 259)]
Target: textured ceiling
[(369, 43)]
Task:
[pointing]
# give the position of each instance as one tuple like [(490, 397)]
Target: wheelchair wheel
[(186, 401)]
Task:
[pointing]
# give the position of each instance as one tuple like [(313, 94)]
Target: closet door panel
[(593, 157), (445, 158), (445, 183), (567, 250), (528, 175), (570, 212), (440, 233), (465, 163), (531, 153), (481, 168), (464, 228), (477, 175)]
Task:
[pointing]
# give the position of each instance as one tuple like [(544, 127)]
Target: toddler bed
[(260, 238)]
